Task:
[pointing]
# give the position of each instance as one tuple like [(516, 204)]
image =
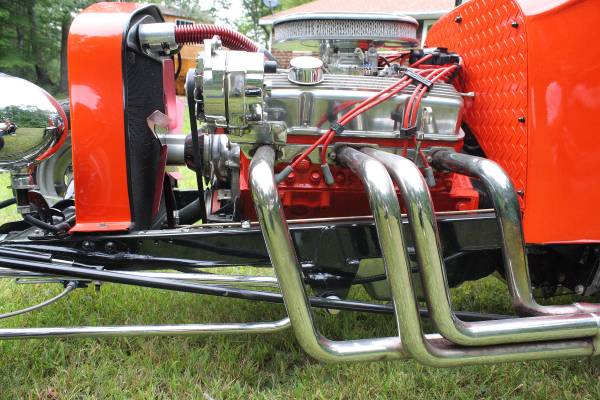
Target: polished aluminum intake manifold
[(551, 332)]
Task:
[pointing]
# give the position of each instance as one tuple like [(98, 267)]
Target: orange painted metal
[(95, 54), (537, 60), (495, 69)]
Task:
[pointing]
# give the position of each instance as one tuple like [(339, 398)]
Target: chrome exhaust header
[(414, 191), (288, 270), (508, 213), (428, 349)]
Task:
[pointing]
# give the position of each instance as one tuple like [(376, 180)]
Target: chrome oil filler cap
[(306, 70)]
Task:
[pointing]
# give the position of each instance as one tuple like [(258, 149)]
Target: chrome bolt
[(110, 247)]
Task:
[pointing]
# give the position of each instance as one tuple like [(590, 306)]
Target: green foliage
[(32, 44), (31, 116), (254, 11)]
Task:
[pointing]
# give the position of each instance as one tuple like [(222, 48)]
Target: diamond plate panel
[(490, 37)]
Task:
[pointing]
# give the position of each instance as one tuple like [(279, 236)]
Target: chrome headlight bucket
[(32, 123)]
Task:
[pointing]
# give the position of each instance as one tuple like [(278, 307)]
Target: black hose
[(40, 224), (191, 212), (58, 228), (7, 202)]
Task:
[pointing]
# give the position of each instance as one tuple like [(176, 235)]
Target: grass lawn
[(243, 366)]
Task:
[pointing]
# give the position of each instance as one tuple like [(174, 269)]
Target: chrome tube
[(146, 330), (288, 270), (175, 147), (432, 351), (508, 212), (200, 278), (427, 245), (429, 349), (220, 279)]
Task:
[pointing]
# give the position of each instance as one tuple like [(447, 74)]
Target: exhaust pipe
[(428, 349), (508, 213), (427, 245), (288, 270)]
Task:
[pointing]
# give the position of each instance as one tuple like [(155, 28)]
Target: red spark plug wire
[(421, 60), (359, 110), (410, 116), (305, 154)]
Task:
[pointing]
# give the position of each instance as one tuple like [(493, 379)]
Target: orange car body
[(533, 67)]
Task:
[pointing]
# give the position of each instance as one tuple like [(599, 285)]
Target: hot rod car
[(370, 162)]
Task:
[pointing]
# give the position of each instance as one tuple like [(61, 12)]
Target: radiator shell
[(112, 90)]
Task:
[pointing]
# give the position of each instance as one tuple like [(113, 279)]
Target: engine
[(359, 90)]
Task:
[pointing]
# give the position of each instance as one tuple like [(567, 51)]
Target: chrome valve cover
[(311, 109)]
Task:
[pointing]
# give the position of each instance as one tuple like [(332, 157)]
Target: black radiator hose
[(191, 213)]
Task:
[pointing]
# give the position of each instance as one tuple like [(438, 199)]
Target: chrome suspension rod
[(146, 330), (200, 278), (426, 240), (508, 213)]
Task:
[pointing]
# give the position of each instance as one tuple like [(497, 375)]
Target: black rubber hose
[(7, 202), (40, 224), (58, 228), (191, 213)]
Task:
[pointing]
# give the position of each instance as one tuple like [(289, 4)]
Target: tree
[(254, 11), (33, 41)]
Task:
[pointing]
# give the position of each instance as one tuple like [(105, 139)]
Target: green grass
[(23, 141), (243, 366)]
